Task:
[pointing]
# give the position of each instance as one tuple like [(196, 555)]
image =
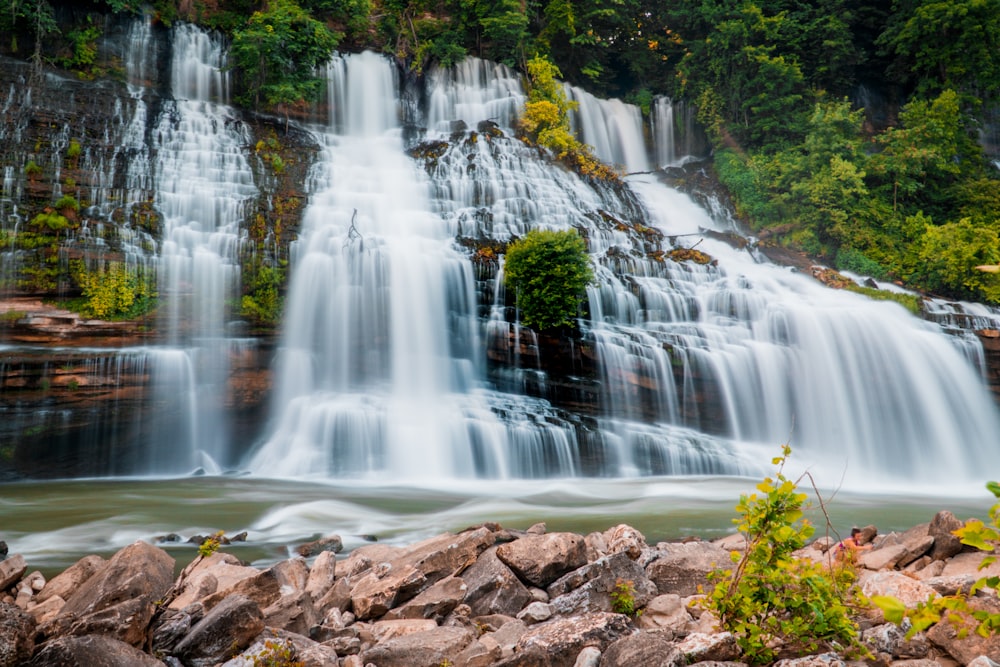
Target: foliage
[(84, 47), (623, 598), (277, 654), (770, 600), (263, 303), (548, 272), (210, 544), (277, 53), (32, 170), (545, 121), (118, 291), (957, 608)]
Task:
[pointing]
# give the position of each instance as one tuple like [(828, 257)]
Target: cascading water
[(379, 374), (203, 184)]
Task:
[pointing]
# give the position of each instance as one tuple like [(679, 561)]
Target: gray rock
[(536, 612), (821, 660), (557, 643), (436, 602), (590, 588), (492, 588), (420, 649), (331, 543), (650, 649), (698, 647), (682, 568), (294, 613), (17, 636), (91, 651), (230, 627), (942, 528)]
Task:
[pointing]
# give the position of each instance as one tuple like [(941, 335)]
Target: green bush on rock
[(548, 272)]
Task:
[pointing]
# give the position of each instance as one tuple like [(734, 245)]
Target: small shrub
[(210, 545), (32, 170), (623, 598), (548, 271), (772, 601), (277, 654)]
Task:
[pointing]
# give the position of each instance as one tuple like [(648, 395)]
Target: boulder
[(591, 587), (907, 590), (43, 612), (17, 636), (959, 642), (292, 575), (625, 539), (649, 649), (11, 571), (201, 578), (328, 544), (322, 575), (492, 588), (119, 599), (263, 588), (173, 625), (385, 630), (967, 563), (541, 559), (431, 648), (667, 614), (681, 568), (942, 528), (435, 603), (891, 640), (557, 643), (294, 612), (278, 647), (379, 589), (536, 612), (821, 660), (69, 580), (230, 627), (698, 647), (91, 651), (479, 654)]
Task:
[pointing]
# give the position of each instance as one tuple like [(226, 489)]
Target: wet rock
[(331, 543)]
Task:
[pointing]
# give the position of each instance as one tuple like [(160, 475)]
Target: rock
[(292, 575), (907, 590), (507, 636), (625, 538), (17, 636), (890, 639), (682, 568), (649, 649), (588, 657), (230, 627), (91, 651), (294, 612), (278, 647), (11, 571), (821, 660), (882, 559), (968, 564), (734, 542), (698, 647), (119, 598), (541, 559), (377, 591), (536, 612), (983, 661), (492, 588), (69, 580), (173, 626), (479, 654), (951, 585), (322, 575), (942, 528), (961, 644), (331, 543), (218, 572), (421, 649), (261, 587), (667, 614), (385, 630), (43, 612), (557, 643), (591, 587), (435, 603)]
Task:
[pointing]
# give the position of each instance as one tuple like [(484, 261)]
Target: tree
[(277, 53), (548, 272)]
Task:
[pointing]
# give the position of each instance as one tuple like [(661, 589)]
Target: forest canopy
[(852, 130)]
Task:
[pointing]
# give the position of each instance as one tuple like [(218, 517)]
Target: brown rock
[(590, 588), (262, 587), (294, 612), (126, 621), (625, 538), (434, 603), (272, 643), (331, 543), (942, 528), (69, 580), (230, 627), (895, 584), (45, 611), (11, 571), (140, 570), (667, 614), (377, 591), (541, 559), (91, 651), (386, 630), (964, 646), (322, 575)]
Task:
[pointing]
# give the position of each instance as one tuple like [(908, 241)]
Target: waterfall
[(380, 374), (203, 185)]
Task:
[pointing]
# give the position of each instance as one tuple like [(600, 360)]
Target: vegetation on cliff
[(848, 130), (548, 272)]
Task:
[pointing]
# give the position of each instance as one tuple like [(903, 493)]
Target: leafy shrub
[(116, 292), (623, 598), (277, 654), (548, 272), (770, 600), (32, 170), (849, 259), (263, 303)]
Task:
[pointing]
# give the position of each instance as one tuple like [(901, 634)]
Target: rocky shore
[(486, 596)]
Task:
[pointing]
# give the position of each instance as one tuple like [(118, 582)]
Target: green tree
[(277, 53), (944, 259), (548, 272)]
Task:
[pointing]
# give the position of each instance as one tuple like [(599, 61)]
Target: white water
[(380, 376), (203, 184)]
